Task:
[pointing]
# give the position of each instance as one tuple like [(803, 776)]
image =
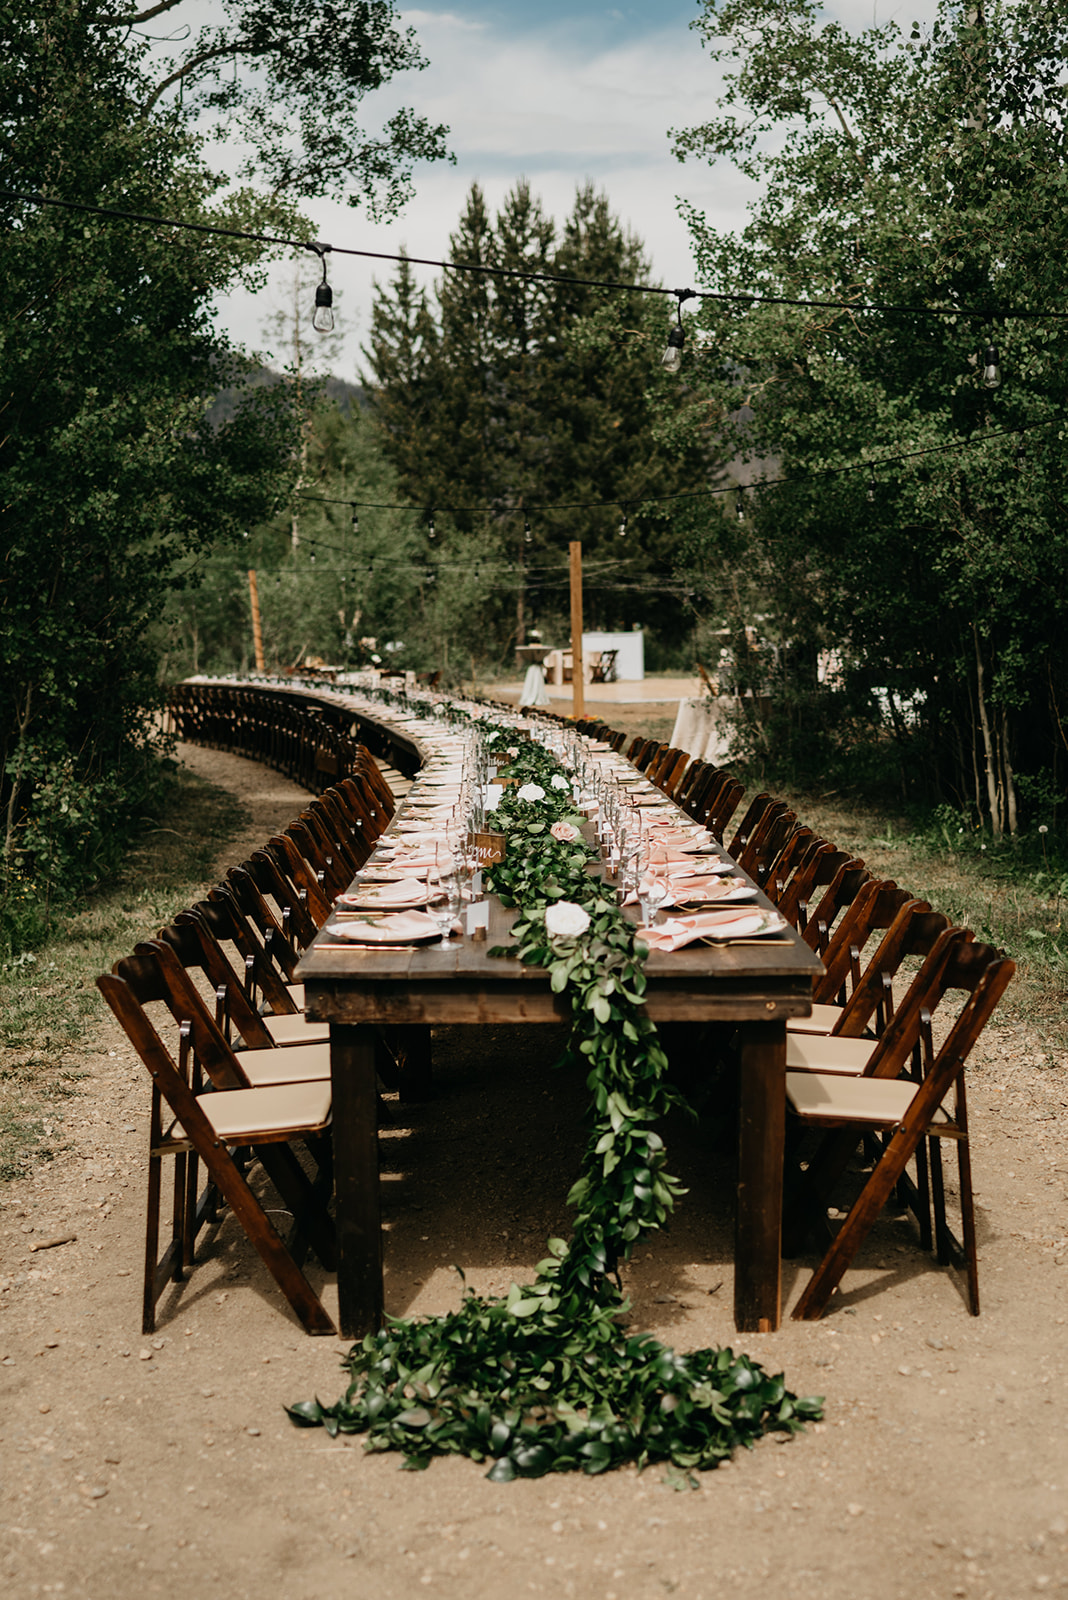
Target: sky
[(556, 91)]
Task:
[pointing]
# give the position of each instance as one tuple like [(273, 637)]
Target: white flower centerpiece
[(566, 920)]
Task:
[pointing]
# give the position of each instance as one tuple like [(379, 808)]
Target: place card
[(488, 847), (477, 916)]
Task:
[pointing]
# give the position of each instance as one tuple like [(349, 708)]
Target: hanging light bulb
[(355, 520), (622, 529), (528, 537), (323, 320), (871, 486), (313, 558), (671, 360), (991, 367), (431, 531), (739, 507)]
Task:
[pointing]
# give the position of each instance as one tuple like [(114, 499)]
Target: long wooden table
[(755, 986)]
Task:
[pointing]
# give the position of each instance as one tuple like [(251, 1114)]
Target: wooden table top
[(459, 981)]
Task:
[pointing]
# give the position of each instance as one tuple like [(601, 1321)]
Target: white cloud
[(541, 102), (556, 116), (424, 20)]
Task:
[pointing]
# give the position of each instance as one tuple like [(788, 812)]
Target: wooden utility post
[(578, 702), (257, 630)]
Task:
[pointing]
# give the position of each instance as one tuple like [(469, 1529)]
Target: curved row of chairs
[(239, 1076), (865, 1067)]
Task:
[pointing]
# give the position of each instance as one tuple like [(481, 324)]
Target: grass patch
[(48, 997)]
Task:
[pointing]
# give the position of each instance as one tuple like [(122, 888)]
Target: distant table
[(533, 692), (755, 986)]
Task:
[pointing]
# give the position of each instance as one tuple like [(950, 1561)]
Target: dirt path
[(158, 1466)]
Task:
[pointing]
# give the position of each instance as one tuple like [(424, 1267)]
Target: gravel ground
[(134, 1466)]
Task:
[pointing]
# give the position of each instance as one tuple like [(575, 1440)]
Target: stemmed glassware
[(444, 889), (652, 892)]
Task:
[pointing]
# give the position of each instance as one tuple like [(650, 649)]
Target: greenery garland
[(545, 1379)]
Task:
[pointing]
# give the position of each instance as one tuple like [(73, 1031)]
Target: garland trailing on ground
[(546, 1379)]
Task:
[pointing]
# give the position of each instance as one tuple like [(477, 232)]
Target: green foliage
[(286, 79), (545, 1379), (923, 173), (51, 953), (119, 486), (537, 1392), (500, 396)]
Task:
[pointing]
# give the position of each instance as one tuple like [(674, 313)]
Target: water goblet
[(652, 892)]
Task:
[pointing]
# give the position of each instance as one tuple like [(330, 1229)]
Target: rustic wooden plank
[(359, 1220), (758, 1218)]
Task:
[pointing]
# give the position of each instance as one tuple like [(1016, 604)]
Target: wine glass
[(444, 890), (652, 892)]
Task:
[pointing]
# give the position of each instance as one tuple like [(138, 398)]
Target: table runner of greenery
[(546, 1379)]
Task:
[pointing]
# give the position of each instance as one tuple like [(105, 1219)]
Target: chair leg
[(148, 1303), (267, 1241), (189, 1214), (943, 1249), (178, 1217), (928, 1182), (854, 1230), (967, 1211), (300, 1196)]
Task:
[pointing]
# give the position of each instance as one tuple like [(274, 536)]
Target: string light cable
[(869, 465), (738, 297)]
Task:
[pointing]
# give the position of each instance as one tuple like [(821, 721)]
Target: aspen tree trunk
[(23, 724), (988, 743), (1010, 777), (975, 750)]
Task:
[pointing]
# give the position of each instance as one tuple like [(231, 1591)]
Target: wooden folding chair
[(274, 883), (909, 1111), (752, 817), (208, 1126), (301, 874), (254, 908), (847, 890), (768, 837), (777, 872), (237, 1008), (320, 819), (229, 1066), (230, 926), (320, 855), (845, 1050), (818, 868), (720, 805)]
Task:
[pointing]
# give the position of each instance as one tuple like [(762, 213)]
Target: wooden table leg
[(761, 1134), (359, 1223)]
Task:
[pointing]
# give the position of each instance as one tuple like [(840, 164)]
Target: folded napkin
[(677, 861), (385, 894), (740, 924), (684, 891), (418, 864)]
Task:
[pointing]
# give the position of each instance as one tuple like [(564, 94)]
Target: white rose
[(559, 782), (530, 791), (565, 920)]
